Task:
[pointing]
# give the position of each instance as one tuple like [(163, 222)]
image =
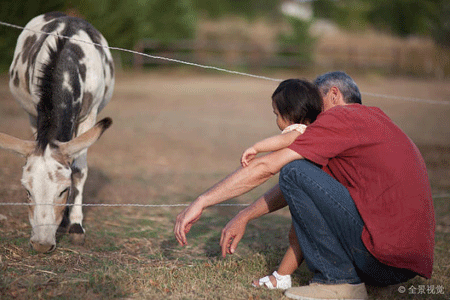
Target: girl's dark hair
[(298, 101)]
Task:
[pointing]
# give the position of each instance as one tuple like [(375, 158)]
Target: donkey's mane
[(47, 120)]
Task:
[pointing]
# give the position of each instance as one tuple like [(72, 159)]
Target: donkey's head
[(47, 177)]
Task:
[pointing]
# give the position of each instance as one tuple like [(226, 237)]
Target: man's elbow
[(263, 169), (272, 163)]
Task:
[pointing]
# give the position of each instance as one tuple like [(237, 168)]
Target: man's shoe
[(317, 291)]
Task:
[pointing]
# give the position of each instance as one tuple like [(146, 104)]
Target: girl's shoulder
[(297, 127)]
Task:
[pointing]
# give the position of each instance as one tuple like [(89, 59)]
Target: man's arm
[(233, 232), (237, 183)]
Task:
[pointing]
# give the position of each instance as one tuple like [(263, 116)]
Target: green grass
[(140, 260), (131, 253)]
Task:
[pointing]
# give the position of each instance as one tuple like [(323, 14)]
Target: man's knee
[(296, 164), (292, 169), (290, 177)]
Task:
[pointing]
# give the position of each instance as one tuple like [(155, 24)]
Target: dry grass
[(174, 135), (130, 253)]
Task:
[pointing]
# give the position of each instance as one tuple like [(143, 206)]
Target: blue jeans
[(329, 228)]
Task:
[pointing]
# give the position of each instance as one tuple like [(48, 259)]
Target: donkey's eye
[(63, 192), (28, 195)]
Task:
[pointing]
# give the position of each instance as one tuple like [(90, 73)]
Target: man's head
[(337, 88)]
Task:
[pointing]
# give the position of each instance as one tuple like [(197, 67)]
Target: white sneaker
[(317, 291)]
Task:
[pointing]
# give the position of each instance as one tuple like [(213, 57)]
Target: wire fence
[(437, 196), (113, 204), (428, 101)]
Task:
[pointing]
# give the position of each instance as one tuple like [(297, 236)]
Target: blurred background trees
[(400, 17), (19, 13), (125, 22)]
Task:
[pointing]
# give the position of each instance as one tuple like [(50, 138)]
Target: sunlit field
[(175, 133)]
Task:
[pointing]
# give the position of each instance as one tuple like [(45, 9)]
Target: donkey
[(62, 83)]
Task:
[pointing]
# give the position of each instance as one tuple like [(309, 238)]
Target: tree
[(351, 14), (19, 13), (441, 24), (403, 17), (299, 38), (122, 22), (248, 8), (125, 22)]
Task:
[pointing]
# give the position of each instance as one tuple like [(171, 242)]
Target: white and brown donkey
[(62, 84)]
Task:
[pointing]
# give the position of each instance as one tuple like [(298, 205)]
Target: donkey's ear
[(87, 139), (16, 145)]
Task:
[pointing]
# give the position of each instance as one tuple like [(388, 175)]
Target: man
[(358, 192)]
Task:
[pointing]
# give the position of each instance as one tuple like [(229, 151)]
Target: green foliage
[(401, 17), (247, 8), (117, 20), (125, 22), (19, 13), (441, 24), (122, 22), (172, 19), (299, 38), (350, 14)]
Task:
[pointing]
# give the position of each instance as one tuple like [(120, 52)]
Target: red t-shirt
[(386, 176)]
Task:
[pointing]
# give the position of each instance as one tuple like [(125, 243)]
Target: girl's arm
[(270, 144)]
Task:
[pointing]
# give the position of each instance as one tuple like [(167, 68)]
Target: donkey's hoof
[(76, 234)]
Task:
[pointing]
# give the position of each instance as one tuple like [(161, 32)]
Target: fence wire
[(428, 101), (113, 204), (438, 196)]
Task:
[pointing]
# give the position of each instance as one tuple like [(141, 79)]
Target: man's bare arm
[(244, 180), (233, 232), (237, 183)]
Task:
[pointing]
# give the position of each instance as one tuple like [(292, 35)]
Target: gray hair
[(343, 82)]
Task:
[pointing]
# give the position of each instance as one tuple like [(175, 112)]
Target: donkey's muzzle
[(43, 248)]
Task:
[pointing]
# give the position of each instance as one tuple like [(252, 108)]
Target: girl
[(296, 104)]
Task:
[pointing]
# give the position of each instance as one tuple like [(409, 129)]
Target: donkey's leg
[(79, 175)]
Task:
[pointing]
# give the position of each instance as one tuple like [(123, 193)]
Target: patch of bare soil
[(177, 132), (174, 134)]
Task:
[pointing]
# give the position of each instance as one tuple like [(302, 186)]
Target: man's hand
[(185, 220), (232, 233), (235, 184)]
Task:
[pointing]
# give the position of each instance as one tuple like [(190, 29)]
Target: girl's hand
[(248, 155)]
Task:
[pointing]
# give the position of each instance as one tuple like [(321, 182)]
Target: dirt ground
[(172, 123), (178, 122), (176, 132)]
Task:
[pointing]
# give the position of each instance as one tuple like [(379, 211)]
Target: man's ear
[(336, 96)]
